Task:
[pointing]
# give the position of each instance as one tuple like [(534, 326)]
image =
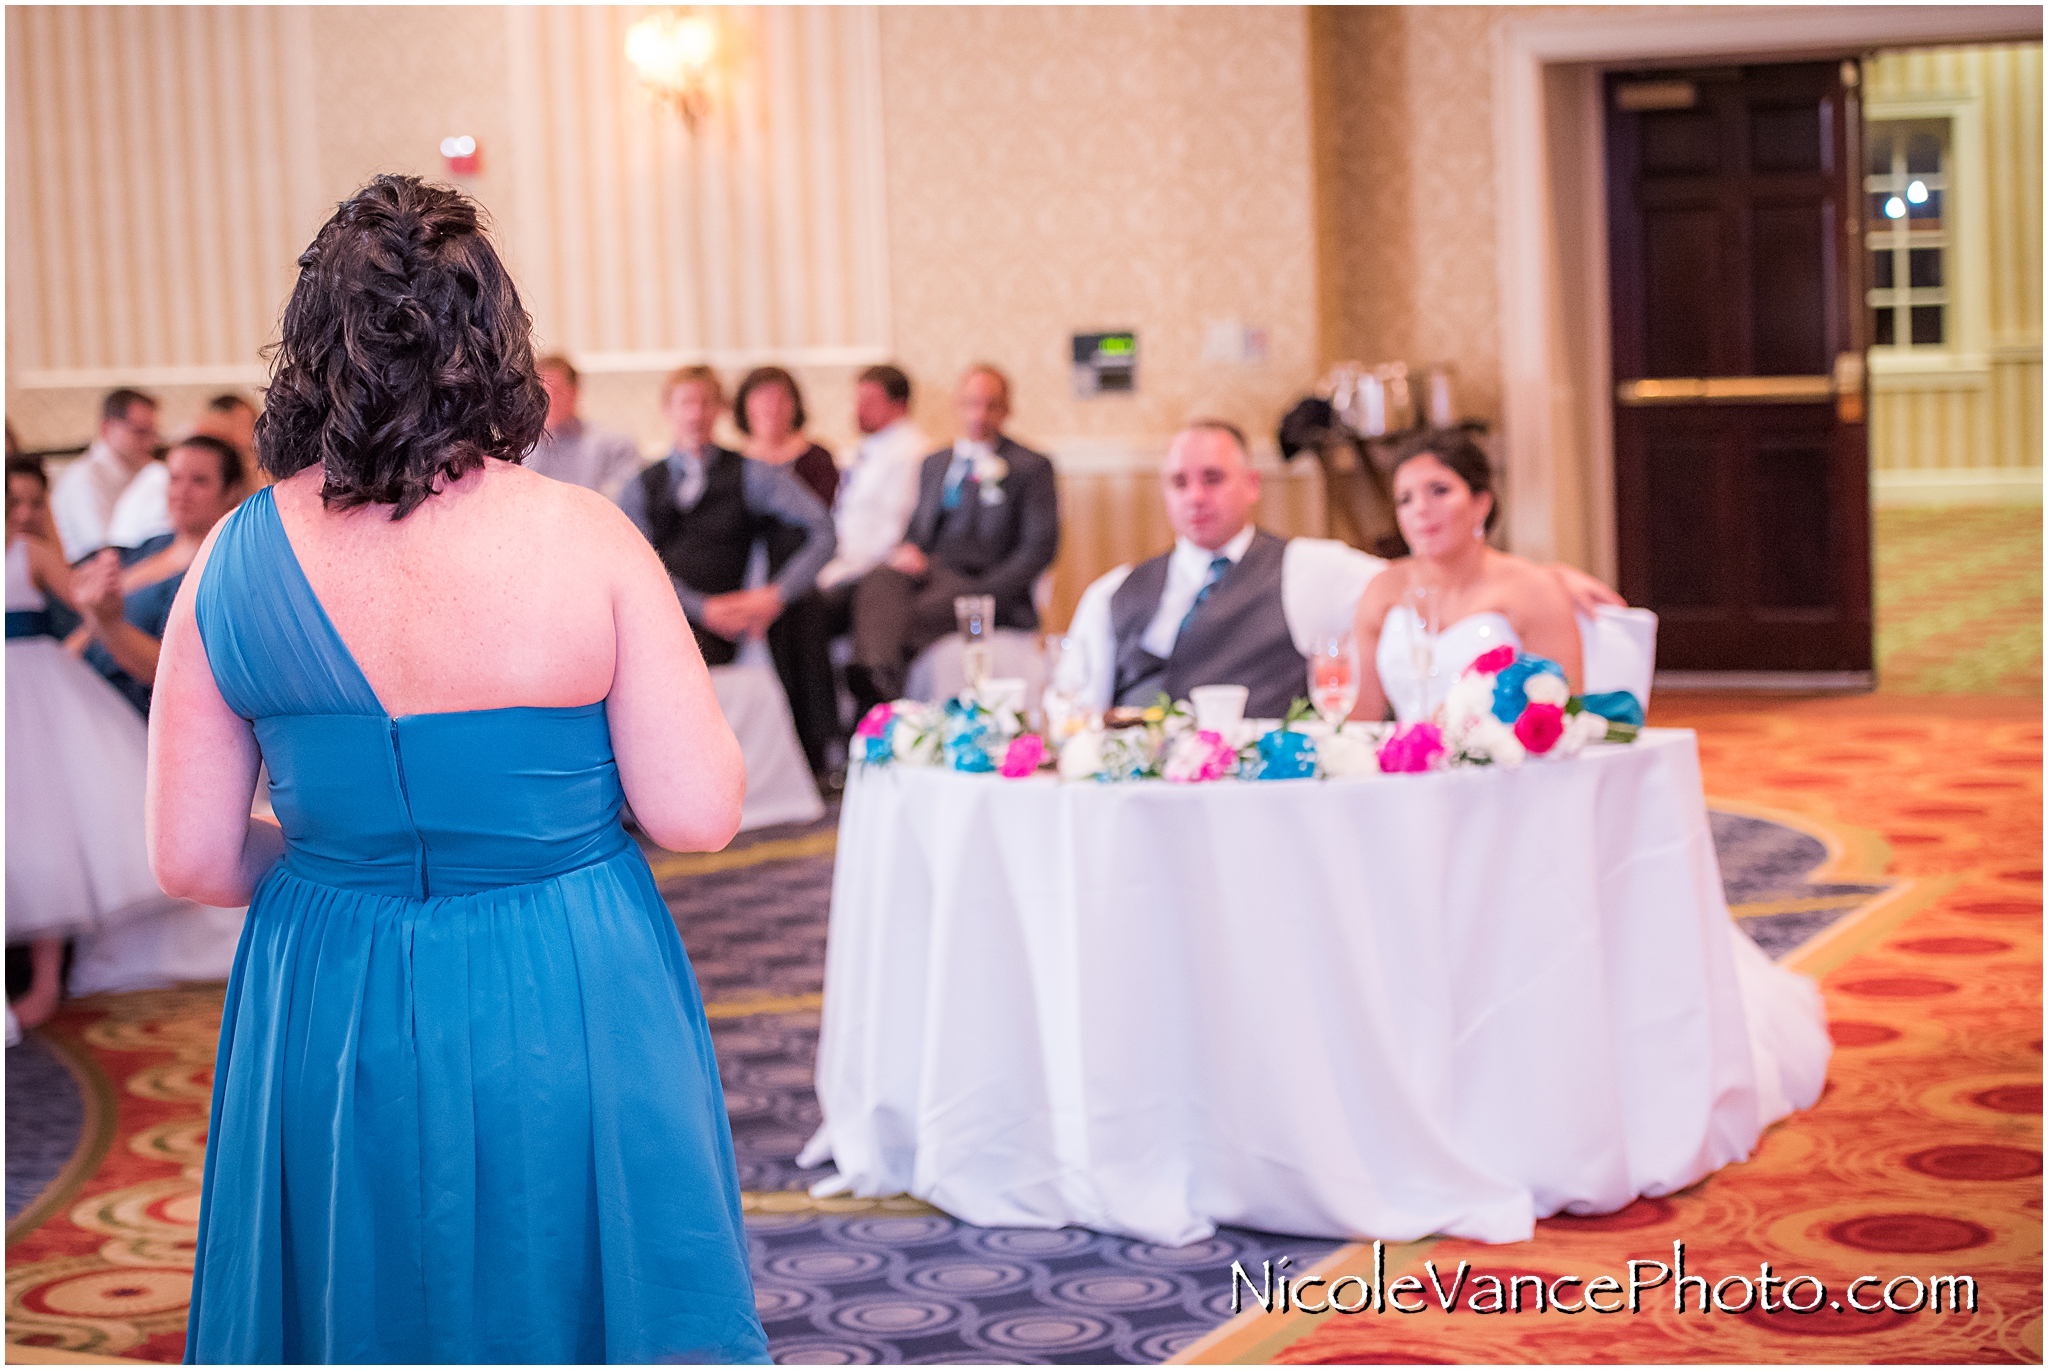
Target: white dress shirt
[(142, 512), (877, 496), (1320, 582), (83, 499)]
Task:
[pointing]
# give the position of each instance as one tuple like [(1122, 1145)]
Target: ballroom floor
[(1888, 844)]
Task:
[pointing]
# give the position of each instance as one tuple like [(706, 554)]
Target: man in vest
[(1231, 604), (987, 522), (704, 507)]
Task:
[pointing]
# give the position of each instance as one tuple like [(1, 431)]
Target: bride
[(1432, 613)]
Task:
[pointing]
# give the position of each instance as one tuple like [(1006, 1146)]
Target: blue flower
[(879, 750), (1286, 755), (1509, 696)]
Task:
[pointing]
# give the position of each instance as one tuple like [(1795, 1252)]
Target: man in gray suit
[(987, 523)]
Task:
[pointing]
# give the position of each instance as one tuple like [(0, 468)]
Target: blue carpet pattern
[(45, 1116), (1763, 863)]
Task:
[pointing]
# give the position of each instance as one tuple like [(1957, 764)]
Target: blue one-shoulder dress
[(465, 1106)]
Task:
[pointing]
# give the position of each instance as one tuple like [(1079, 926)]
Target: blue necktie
[(956, 481), (1216, 570)]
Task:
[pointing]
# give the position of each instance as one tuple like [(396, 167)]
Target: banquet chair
[(938, 673), (1620, 651)]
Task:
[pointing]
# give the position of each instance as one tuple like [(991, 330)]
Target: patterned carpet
[(1958, 599), (100, 1262)]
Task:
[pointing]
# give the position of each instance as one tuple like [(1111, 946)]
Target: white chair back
[(938, 672), (1620, 647)]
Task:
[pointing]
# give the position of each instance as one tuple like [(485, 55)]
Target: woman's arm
[(1365, 640), (679, 762), (1546, 621), (51, 573), (203, 760)]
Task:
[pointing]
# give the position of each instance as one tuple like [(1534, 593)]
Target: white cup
[(1219, 708), (1004, 692)]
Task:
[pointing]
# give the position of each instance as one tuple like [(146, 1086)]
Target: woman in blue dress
[(465, 1106), (127, 597)]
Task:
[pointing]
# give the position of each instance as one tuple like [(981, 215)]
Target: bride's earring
[(1479, 533)]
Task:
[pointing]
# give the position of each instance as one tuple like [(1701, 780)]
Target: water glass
[(1066, 676), (976, 616), (1333, 678)]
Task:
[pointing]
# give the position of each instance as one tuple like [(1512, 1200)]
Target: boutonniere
[(989, 469)]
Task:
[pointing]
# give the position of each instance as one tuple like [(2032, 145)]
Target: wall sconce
[(676, 54)]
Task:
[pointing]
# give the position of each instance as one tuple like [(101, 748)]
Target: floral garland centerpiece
[(1506, 707)]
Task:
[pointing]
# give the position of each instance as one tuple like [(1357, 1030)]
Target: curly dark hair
[(1455, 448), (768, 375), (406, 358)]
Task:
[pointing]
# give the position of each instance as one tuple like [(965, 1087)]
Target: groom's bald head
[(1209, 483)]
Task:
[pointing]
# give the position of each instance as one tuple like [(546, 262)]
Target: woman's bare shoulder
[(1524, 582), (1384, 591)]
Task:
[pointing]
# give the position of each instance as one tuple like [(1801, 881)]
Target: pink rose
[(1539, 727), (1412, 748), (876, 723), (1026, 751), (1489, 663)]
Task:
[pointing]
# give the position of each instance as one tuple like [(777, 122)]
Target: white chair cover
[(1620, 647), (937, 672)]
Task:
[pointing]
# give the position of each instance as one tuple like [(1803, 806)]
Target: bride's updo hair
[(406, 358), (1454, 448)]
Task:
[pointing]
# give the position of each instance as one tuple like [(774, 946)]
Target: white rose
[(1495, 740), (1470, 697), (1081, 757), (990, 468), (1349, 752), (1544, 688)]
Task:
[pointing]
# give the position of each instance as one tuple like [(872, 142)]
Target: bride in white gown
[(1430, 614)]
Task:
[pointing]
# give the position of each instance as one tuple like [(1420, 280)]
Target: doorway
[(1741, 454)]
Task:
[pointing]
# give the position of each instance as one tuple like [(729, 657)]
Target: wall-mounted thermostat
[(1105, 364)]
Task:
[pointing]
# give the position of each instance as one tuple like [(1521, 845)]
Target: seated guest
[(878, 490), (126, 608), (85, 497), (1231, 604), (572, 450), (703, 509), (769, 410), (1452, 598), (141, 521), (987, 522)]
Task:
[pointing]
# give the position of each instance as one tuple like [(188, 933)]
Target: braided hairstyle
[(406, 358)]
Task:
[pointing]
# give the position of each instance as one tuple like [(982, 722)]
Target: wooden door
[(1742, 486)]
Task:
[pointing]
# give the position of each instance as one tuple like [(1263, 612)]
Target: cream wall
[(1971, 430)]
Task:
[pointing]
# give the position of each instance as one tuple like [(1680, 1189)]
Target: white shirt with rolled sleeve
[(1320, 582), (877, 496)]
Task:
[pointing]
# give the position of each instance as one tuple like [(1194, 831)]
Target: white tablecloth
[(1386, 1007), (779, 784)]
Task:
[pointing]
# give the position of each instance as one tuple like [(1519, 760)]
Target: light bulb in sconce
[(675, 54), (461, 155)]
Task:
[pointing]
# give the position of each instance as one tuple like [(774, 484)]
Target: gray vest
[(1238, 637)]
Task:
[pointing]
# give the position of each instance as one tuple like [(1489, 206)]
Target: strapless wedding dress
[(1417, 667)]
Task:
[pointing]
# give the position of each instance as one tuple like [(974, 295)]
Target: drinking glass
[(1333, 678), (1427, 603), (1066, 675), (976, 616)]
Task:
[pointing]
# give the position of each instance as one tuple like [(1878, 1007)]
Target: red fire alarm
[(461, 154)]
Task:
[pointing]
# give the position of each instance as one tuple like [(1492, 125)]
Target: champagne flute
[(1333, 678), (976, 615), (1066, 675), (1425, 602)]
